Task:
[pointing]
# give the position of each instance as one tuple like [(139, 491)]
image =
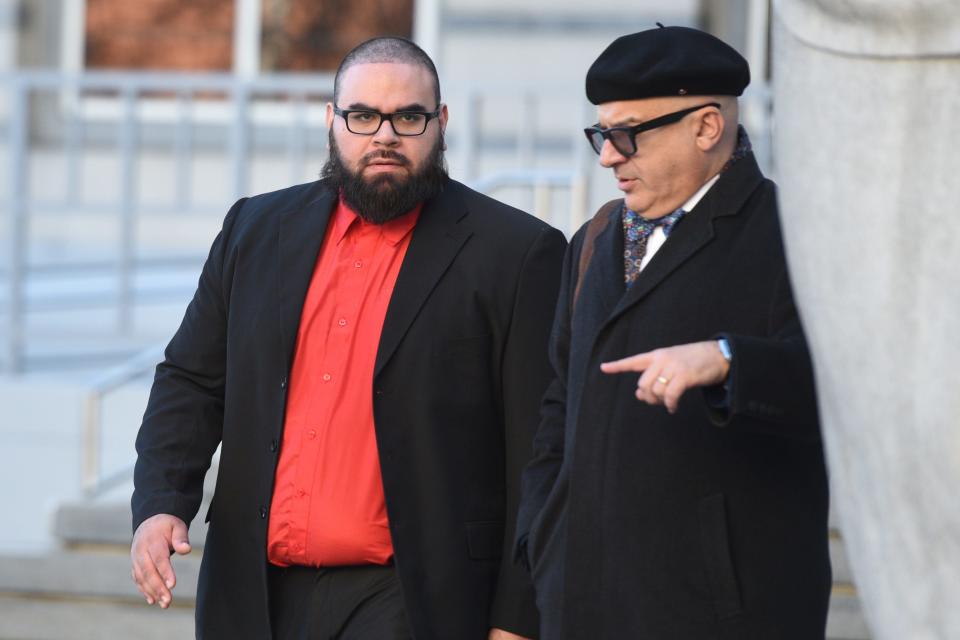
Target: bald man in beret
[(678, 489)]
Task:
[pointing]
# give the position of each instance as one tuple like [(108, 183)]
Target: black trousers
[(337, 603)]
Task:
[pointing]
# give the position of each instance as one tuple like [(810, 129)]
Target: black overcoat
[(460, 370), (701, 525)]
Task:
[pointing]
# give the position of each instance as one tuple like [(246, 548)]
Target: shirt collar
[(394, 231), (698, 196)]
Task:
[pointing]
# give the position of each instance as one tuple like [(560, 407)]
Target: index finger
[(638, 362), (164, 568), (153, 563)]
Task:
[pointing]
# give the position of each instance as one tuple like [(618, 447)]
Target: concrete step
[(107, 520), (845, 620), (86, 592), (842, 573), (92, 572), (101, 574), (90, 619), (82, 523)]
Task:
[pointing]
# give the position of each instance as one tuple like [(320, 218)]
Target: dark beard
[(385, 197)]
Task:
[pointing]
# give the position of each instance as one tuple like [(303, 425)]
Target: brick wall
[(197, 35), (303, 35), (159, 34)]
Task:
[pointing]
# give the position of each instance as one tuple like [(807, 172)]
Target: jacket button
[(273, 446), (283, 383), (263, 513)]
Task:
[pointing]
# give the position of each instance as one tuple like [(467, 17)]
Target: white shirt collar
[(698, 196)]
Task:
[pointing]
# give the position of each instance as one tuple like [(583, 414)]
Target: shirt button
[(326, 377), (301, 493), (263, 513), (311, 434), (342, 322), (357, 264)]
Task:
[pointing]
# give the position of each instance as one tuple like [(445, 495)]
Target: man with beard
[(369, 351)]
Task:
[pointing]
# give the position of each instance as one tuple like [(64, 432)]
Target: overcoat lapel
[(436, 241), (726, 198), (300, 237), (603, 282)]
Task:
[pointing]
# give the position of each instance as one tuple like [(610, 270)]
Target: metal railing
[(45, 108), (202, 111), (92, 480), (543, 183), (125, 115)]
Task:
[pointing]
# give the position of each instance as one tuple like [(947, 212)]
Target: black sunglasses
[(624, 139)]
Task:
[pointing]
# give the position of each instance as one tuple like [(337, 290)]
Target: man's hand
[(154, 541), (500, 634), (669, 372)]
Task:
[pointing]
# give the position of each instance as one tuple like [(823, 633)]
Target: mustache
[(385, 154)]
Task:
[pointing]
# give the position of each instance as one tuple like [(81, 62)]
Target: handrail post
[(128, 195), (90, 461), (471, 135), (296, 141), (239, 137), (584, 163), (18, 195), (542, 200), (183, 146), (526, 136), (73, 142)]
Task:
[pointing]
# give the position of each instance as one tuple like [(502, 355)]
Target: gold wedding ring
[(662, 380)]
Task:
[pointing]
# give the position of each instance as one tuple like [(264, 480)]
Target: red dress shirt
[(328, 506)]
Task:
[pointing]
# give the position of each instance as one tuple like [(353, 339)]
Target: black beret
[(667, 61)]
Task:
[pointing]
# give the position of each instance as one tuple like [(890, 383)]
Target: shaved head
[(387, 49)]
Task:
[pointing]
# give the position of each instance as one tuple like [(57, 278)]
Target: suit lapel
[(436, 241), (300, 237), (696, 230)]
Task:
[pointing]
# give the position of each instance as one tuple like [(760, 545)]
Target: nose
[(609, 156), (385, 135)]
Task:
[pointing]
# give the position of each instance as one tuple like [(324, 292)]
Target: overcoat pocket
[(718, 562)]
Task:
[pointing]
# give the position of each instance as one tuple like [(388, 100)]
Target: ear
[(709, 128), (330, 115), (443, 117)]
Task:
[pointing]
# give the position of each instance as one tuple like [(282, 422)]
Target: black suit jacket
[(460, 370), (703, 524)]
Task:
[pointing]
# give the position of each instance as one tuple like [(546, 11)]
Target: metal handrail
[(299, 83), (543, 182), (91, 440), (128, 91), (129, 100)]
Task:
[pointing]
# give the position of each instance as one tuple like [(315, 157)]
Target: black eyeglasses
[(624, 139), (365, 122)]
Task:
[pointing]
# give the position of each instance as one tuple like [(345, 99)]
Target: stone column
[(867, 153)]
